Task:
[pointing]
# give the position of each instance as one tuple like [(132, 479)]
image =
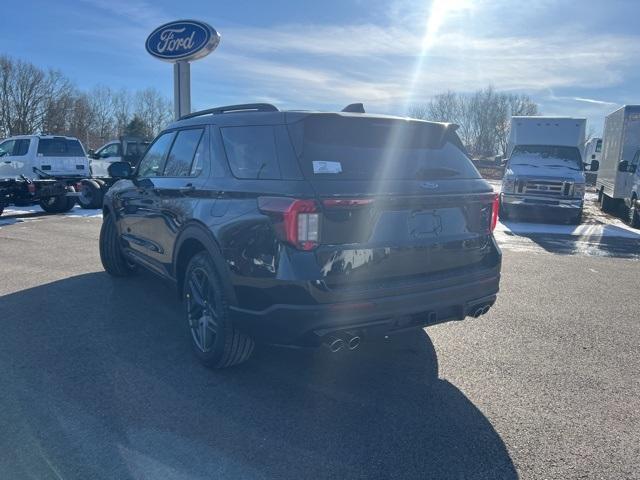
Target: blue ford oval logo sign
[(182, 40)]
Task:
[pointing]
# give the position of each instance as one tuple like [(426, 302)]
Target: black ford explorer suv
[(305, 228)]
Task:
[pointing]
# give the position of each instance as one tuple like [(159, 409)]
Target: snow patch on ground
[(585, 230)]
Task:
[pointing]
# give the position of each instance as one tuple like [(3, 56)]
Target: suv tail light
[(296, 221), (495, 206)]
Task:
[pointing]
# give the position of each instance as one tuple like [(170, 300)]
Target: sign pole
[(181, 89)]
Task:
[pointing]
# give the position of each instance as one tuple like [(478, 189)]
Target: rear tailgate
[(399, 200)]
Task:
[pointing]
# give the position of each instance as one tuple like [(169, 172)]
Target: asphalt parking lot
[(97, 380)]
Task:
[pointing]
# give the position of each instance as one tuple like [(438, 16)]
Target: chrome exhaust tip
[(334, 344)]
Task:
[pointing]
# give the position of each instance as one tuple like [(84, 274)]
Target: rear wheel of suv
[(113, 260), (90, 194), (215, 340), (57, 204), (633, 214)]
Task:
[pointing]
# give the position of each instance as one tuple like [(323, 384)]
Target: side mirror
[(595, 165), (623, 166), (120, 170), (632, 168), (91, 152)]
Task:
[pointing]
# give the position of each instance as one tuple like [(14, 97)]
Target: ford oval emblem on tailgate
[(429, 185)]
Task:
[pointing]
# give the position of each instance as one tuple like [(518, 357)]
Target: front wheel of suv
[(215, 340), (113, 260)]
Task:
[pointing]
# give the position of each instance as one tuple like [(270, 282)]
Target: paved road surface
[(97, 381)]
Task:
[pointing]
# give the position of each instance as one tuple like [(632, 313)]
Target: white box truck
[(544, 172), (618, 182)]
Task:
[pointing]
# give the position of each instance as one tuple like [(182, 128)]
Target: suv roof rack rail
[(246, 107)]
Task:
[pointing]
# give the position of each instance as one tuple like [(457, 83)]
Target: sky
[(575, 58)]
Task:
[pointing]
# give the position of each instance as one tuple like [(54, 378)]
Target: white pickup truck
[(42, 169), (545, 173), (125, 149)]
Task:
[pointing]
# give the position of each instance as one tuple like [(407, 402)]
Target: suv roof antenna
[(354, 108)]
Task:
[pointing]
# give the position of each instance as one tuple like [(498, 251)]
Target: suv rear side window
[(251, 151), (152, 164), (182, 153), (345, 148), (59, 147)]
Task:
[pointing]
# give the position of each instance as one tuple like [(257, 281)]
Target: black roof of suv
[(306, 227)]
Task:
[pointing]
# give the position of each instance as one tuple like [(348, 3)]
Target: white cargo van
[(618, 183), (544, 171)]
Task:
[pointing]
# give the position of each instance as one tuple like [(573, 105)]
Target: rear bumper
[(305, 324)]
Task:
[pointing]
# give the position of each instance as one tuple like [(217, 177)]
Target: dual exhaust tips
[(337, 342), (480, 310)]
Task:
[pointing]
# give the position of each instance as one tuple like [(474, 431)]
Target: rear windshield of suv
[(60, 147), (348, 148)]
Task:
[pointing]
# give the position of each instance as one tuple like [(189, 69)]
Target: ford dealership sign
[(182, 41)]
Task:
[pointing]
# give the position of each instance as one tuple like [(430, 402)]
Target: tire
[(111, 256), (606, 204), (600, 194), (57, 204), (1, 209), (633, 214), (91, 195), (214, 339)]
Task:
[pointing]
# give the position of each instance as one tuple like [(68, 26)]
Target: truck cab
[(51, 156), (545, 173), (127, 149), (44, 169)]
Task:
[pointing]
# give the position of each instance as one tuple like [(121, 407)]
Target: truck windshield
[(547, 155), (347, 148)]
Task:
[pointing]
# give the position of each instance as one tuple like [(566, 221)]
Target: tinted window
[(15, 148), (198, 160), (182, 153), (59, 147), (21, 147), (112, 150), (343, 148), (153, 162), (251, 151)]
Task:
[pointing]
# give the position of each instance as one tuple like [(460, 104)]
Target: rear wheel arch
[(193, 239)]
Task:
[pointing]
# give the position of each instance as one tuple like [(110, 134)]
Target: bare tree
[(153, 109), (483, 116)]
